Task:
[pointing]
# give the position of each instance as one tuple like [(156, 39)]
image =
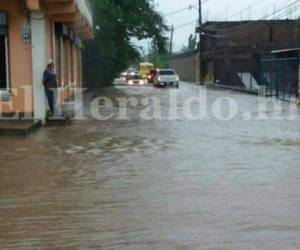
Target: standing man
[(50, 84)]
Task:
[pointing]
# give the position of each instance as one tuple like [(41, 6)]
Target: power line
[(196, 21), (191, 6), (260, 38), (242, 10), (186, 24), (254, 4), (232, 29), (242, 26), (180, 11), (238, 29), (243, 32)]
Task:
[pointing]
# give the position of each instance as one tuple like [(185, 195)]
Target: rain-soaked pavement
[(158, 184)]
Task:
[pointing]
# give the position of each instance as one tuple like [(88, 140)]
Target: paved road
[(157, 184)]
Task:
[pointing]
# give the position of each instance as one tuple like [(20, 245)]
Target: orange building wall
[(20, 60)]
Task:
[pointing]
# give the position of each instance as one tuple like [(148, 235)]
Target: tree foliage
[(112, 50), (160, 59), (192, 42)]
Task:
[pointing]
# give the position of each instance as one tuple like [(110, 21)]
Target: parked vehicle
[(135, 78), (166, 77), (120, 81), (128, 71), (152, 75), (145, 69)]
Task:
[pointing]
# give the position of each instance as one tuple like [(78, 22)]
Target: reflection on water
[(153, 184)]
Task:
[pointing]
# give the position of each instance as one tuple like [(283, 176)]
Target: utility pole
[(171, 40), (200, 14), (200, 43)]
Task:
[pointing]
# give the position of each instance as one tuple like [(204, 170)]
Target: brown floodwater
[(158, 184)]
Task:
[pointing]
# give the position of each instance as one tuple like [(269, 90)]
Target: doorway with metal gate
[(280, 76)]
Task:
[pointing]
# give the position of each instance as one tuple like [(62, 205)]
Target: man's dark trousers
[(51, 97)]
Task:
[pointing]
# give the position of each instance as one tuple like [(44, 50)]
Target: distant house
[(32, 32), (232, 51)]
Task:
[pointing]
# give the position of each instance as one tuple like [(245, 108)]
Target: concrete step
[(18, 127), (58, 121)]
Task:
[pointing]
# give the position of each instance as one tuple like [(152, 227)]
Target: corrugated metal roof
[(285, 50)]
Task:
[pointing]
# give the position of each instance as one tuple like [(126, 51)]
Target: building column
[(38, 36)]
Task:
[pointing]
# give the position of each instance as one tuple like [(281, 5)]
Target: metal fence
[(280, 76)]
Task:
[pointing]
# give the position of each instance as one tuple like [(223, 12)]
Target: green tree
[(112, 50), (160, 59)]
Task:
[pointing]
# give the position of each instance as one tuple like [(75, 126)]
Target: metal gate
[(280, 76)]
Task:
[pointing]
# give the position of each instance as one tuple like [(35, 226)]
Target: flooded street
[(160, 184)]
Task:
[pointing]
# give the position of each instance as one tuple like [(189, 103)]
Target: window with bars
[(3, 18), (61, 33), (72, 63), (66, 61), (58, 59)]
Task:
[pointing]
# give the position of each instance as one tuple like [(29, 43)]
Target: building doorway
[(3, 63), (4, 76)]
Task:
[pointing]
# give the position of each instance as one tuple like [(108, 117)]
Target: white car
[(135, 79), (166, 77)]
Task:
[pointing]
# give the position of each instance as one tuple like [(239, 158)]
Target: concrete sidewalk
[(18, 127)]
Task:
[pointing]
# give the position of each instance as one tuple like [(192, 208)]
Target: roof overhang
[(75, 13)]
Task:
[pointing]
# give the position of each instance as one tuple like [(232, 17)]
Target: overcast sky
[(218, 10)]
